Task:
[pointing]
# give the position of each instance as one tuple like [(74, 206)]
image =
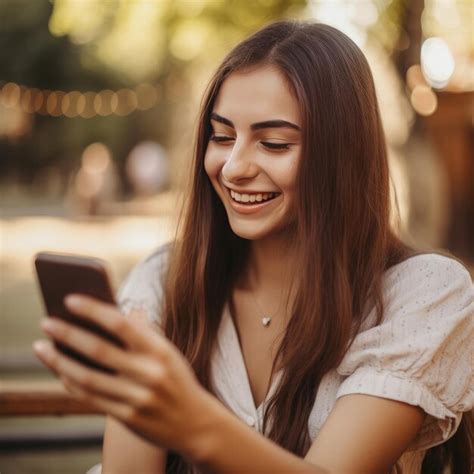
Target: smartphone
[(60, 274)]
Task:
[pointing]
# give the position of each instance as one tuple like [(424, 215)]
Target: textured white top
[(421, 353)]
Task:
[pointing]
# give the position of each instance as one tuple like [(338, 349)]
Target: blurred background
[(98, 105)]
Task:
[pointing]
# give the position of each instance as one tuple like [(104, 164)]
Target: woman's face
[(254, 149)]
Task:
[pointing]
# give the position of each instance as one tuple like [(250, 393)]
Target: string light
[(26, 102), (43, 110), (37, 101), (10, 95), (88, 109), (79, 104)]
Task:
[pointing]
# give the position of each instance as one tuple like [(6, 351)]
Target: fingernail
[(73, 301), (41, 347), (47, 325)]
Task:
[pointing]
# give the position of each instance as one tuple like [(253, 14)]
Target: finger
[(114, 408), (95, 381), (109, 318), (86, 342), (104, 314), (138, 367), (41, 349), (130, 417)]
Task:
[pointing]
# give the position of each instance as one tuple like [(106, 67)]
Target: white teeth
[(251, 197)]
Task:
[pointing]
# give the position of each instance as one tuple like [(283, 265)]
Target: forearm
[(229, 445), (123, 451)]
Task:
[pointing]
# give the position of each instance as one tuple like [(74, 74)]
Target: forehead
[(257, 95)]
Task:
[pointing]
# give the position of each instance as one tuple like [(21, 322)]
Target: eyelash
[(270, 146)]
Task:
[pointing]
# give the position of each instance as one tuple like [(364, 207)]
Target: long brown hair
[(343, 237)]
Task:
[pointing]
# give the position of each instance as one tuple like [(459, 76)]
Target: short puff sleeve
[(422, 352), (142, 288)]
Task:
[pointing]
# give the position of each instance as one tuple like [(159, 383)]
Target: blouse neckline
[(236, 350)]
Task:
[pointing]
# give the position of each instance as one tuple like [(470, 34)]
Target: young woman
[(294, 331)]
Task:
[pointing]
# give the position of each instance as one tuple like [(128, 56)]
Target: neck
[(268, 277), (270, 266)]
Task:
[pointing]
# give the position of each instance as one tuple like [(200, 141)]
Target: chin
[(250, 231)]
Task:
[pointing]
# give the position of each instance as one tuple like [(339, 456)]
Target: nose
[(239, 165)]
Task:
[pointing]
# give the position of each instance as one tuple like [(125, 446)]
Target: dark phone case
[(60, 274)]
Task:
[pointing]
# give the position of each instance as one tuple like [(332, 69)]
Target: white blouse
[(421, 353)]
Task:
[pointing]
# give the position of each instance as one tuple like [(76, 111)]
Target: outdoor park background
[(98, 103)]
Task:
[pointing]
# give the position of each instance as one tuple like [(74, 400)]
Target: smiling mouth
[(255, 202)]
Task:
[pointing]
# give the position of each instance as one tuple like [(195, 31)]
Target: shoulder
[(421, 352), (157, 260), (435, 265), (428, 274), (142, 287), (150, 269)]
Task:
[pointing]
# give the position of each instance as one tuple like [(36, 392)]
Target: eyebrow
[(258, 125)]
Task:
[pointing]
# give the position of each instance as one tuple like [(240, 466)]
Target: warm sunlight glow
[(350, 19), (189, 40)]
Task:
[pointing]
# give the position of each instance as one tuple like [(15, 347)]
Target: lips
[(250, 208), (250, 193), (249, 203)]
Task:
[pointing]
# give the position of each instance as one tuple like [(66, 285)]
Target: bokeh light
[(437, 62), (10, 94), (147, 168), (424, 100), (75, 103), (127, 102), (414, 77), (147, 96), (96, 157)]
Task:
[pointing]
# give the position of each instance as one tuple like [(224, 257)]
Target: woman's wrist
[(224, 443), (201, 440)]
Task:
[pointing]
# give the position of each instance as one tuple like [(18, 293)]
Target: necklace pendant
[(266, 321)]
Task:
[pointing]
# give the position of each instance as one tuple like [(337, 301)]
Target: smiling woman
[(253, 150), (291, 329)]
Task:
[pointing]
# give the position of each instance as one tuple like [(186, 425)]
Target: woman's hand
[(155, 392)]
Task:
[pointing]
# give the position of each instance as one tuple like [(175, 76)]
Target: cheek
[(293, 171), (285, 175), (212, 164)]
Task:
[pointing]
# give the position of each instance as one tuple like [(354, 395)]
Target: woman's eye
[(220, 138), (276, 146), (224, 139)]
